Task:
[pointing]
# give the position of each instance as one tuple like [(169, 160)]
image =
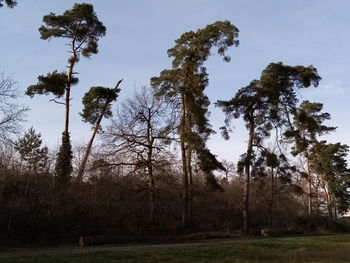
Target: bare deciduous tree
[(11, 112), (142, 131)]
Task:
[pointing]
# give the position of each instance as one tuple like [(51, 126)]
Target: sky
[(298, 32)]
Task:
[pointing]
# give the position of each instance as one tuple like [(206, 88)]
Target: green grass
[(326, 249)]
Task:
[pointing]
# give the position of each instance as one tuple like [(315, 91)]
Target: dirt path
[(116, 248)]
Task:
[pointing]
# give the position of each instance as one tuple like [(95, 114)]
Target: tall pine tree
[(328, 160), (82, 28), (308, 124), (265, 104), (184, 84)]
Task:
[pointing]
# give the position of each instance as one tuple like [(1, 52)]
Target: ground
[(320, 249)]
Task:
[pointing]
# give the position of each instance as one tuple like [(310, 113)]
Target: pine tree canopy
[(185, 83), (193, 48), (79, 24), (30, 150), (188, 77), (308, 124), (29, 144), (96, 101), (272, 98), (54, 83)]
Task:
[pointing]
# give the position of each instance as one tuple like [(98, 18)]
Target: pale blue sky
[(140, 32)]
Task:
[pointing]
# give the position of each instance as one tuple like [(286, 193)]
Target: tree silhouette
[(30, 150), (265, 104), (97, 105), (184, 84), (308, 124), (141, 132), (82, 28), (11, 112), (328, 160)]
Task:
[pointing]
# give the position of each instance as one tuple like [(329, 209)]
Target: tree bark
[(68, 86), (89, 145), (190, 184), (66, 119), (272, 197), (246, 216), (185, 197), (309, 180), (152, 185), (152, 196), (328, 201)]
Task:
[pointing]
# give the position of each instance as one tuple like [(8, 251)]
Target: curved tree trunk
[(89, 145)]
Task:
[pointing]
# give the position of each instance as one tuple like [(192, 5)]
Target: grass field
[(323, 249)]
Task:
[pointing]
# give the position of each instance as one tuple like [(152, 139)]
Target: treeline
[(152, 173)]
